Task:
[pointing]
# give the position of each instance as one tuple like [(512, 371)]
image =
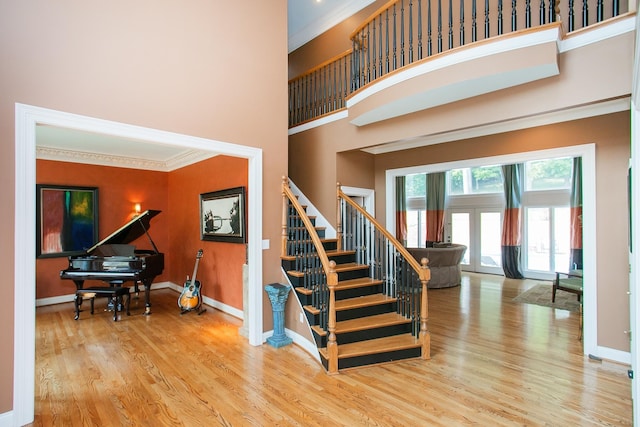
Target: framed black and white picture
[(222, 215)]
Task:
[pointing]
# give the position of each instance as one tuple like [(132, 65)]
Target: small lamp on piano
[(136, 209)]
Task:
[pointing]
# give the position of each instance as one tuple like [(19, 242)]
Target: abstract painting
[(67, 220)]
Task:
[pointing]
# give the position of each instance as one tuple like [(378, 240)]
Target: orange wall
[(220, 269), (118, 190), (176, 231)]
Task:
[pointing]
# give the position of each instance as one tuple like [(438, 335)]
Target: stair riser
[(321, 340), (358, 292), (343, 258), (313, 319), (330, 246), (353, 274), (373, 359), (296, 281), (304, 299), (369, 334), (365, 311)]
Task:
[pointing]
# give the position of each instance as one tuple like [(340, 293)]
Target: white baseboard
[(613, 355), (69, 297), (299, 340), (161, 285), (6, 419), (213, 303)]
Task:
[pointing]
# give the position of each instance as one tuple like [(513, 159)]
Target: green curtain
[(576, 215), (436, 187), (401, 210), (511, 239)]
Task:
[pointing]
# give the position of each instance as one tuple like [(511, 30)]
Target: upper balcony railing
[(403, 32)]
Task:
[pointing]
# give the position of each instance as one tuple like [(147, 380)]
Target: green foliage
[(416, 185), (549, 174)]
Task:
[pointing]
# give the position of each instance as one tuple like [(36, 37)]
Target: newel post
[(285, 214), (425, 336), (332, 345), (338, 218)]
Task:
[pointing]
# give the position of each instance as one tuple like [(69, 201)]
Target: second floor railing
[(404, 32)]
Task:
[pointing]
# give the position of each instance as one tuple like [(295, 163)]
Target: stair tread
[(311, 309), (363, 301), (349, 266), (370, 322), (334, 252), (357, 283), (302, 290), (378, 345)]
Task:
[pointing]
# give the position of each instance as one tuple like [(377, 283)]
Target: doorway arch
[(27, 118)]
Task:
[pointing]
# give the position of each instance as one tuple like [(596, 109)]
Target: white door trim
[(367, 194), (26, 119), (588, 154)]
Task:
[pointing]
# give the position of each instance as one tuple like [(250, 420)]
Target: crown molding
[(323, 23), (186, 158)]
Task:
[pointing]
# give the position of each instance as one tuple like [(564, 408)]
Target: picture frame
[(222, 215), (66, 220)]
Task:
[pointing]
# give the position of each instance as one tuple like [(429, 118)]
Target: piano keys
[(113, 260)]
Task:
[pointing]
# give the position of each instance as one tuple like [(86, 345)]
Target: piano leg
[(147, 296)]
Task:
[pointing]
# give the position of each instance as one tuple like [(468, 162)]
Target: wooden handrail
[(405, 253), (371, 17), (322, 254), (421, 269)]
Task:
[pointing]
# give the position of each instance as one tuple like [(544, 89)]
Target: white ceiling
[(307, 19)]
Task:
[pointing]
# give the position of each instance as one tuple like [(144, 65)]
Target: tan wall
[(355, 169), (190, 70)]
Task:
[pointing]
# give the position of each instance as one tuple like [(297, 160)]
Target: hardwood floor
[(494, 362)]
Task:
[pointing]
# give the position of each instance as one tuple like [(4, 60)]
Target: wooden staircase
[(369, 328)]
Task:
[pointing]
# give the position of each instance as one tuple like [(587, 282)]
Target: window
[(415, 187), (550, 174), (481, 180)]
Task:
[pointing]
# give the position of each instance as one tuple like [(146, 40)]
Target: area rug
[(541, 295)]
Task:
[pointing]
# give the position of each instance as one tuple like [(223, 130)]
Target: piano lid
[(130, 231)]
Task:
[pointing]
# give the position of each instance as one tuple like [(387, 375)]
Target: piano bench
[(114, 293)]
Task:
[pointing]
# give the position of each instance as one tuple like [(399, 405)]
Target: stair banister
[(328, 267), (421, 269)]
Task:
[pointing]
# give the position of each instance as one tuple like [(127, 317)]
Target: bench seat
[(116, 294)]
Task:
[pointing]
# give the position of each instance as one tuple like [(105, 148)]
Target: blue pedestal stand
[(278, 295)]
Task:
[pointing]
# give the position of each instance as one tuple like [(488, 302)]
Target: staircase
[(363, 317)]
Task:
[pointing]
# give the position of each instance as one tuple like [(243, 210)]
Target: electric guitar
[(190, 297)]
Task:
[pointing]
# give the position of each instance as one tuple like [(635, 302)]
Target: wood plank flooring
[(494, 363)]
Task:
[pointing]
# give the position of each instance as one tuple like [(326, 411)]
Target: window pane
[(538, 239), (460, 232), (490, 245), (552, 174), (416, 228), (482, 180), (487, 179), (416, 185), (455, 181)]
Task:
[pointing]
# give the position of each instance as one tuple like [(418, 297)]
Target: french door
[(480, 230)]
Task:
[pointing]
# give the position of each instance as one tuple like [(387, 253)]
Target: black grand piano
[(115, 261)]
